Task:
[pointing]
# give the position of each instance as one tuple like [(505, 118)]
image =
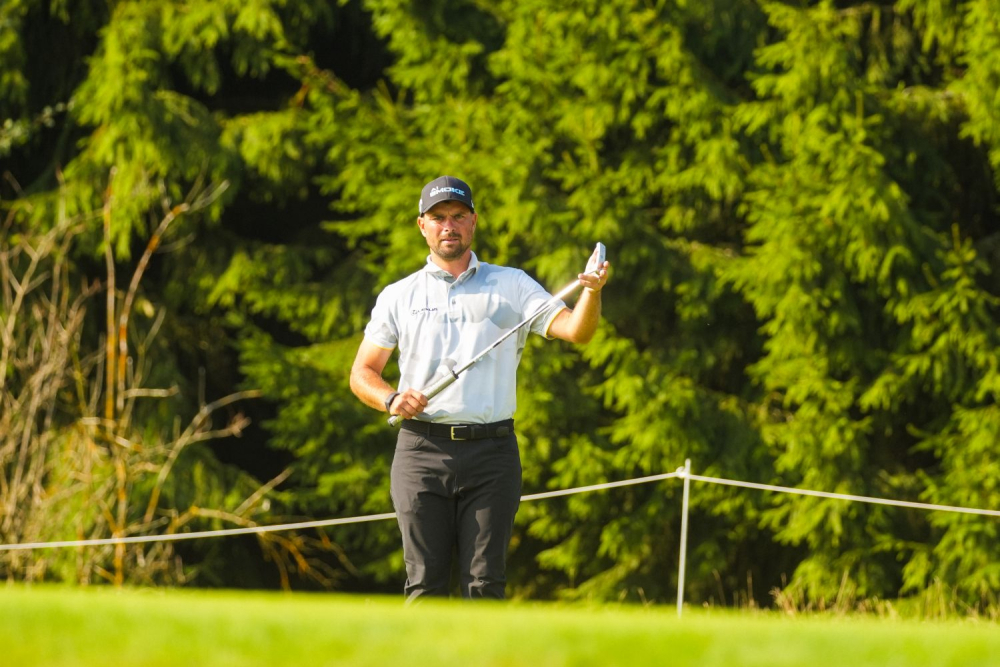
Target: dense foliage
[(799, 201)]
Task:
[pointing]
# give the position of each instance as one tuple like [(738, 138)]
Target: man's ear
[(420, 225)]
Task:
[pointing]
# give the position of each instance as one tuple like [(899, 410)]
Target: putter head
[(596, 259)]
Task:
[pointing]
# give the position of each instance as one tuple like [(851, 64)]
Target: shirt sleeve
[(383, 329), (533, 296)]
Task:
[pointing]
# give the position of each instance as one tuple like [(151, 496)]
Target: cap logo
[(436, 191)]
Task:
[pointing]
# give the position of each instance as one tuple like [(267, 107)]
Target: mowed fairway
[(55, 626)]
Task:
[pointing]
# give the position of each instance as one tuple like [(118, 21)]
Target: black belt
[(499, 429)]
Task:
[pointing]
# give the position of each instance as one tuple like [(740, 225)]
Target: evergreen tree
[(799, 200)]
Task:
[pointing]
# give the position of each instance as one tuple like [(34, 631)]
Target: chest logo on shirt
[(418, 311)]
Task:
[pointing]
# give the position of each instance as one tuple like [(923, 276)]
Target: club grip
[(596, 260), (429, 393)]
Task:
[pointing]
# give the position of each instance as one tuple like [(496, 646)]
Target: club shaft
[(566, 291), (446, 381)]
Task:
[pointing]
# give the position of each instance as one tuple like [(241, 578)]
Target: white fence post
[(684, 536)]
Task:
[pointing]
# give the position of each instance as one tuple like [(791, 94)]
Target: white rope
[(681, 472), (599, 487), (175, 537), (845, 496), (251, 530)]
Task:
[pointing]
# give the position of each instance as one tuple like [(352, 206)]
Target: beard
[(450, 251)]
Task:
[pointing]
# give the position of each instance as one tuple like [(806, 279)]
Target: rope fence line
[(321, 523), (601, 487), (682, 472), (844, 496), (176, 537)]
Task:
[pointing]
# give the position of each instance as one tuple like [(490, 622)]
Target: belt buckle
[(453, 432)]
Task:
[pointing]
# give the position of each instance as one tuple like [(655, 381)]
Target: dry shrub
[(74, 464)]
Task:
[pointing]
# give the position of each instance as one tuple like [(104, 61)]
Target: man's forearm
[(370, 387), (579, 324), (585, 317)]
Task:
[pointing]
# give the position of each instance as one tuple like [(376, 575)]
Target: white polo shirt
[(440, 323)]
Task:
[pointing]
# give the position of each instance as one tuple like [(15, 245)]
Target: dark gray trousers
[(455, 497)]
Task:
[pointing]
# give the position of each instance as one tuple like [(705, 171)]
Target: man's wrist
[(388, 401)]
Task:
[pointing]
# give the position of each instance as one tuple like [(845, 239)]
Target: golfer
[(456, 472)]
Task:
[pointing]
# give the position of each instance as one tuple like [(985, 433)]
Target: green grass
[(58, 626)]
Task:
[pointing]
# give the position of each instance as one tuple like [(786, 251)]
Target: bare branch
[(109, 399), (191, 435), (152, 393), (262, 491), (133, 288)]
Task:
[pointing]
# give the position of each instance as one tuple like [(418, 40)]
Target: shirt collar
[(435, 270)]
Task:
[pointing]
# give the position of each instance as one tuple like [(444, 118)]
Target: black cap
[(445, 188)]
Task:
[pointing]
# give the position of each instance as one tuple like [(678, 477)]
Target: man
[(456, 472)]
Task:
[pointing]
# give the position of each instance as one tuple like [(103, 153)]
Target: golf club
[(593, 266)]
